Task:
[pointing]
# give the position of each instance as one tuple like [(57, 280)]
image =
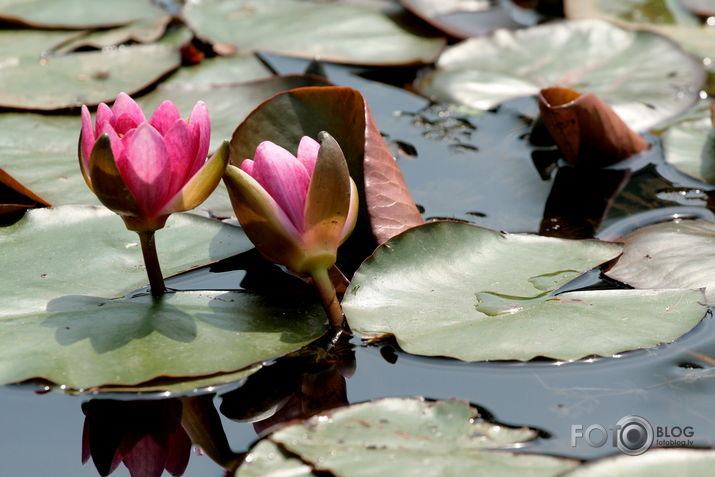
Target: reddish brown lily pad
[(385, 203), (589, 132), (15, 197)]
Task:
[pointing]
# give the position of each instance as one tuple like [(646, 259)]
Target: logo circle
[(635, 435)]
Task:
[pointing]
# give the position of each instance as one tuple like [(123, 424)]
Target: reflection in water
[(147, 436), (295, 387), (153, 436)]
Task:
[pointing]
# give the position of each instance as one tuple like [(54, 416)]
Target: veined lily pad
[(78, 14), (399, 436), (453, 289), (690, 143), (644, 77), (654, 463), (59, 322), (340, 33), (677, 254)]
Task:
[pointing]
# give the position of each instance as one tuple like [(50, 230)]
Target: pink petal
[(247, 166), (308, 153), (284, 178), (145, 168), (126, 105), (164, 117), (200, 130), (148, 456), (178, 148), (88, 138), (123, 124), (179, 452), (104, 115)]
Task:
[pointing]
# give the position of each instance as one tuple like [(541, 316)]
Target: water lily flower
[(298, 209), (145, 170)]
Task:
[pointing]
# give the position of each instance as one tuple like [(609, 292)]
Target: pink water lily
[(146, 170), (298, 209)]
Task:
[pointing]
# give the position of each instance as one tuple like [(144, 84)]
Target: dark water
[(479, 168)]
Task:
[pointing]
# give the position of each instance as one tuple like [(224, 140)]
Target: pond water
[(487, 175)]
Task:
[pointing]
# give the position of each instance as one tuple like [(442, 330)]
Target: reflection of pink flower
[(146, 435), (145, 170), (297, 210)]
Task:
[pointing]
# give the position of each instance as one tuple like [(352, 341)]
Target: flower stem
[(329, 297), (151, 262)]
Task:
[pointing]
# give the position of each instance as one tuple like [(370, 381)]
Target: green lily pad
[(330, 32), (39, 271), (238, 68), (457, 290), (644, 77), (666, 17), (78, 14), (182, 385), (677, 254), (41, 152), (689, 144), (58, 82), (267, 459), (654, 463), (61, 324), (401, 436), (86, 341), (145, 30)]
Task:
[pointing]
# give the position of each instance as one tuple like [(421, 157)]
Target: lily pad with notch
[(457, 290)]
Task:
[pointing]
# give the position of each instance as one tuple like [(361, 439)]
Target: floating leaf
[(343, 113), (586, 130), (399, 436), (453, 289), (466, 19), (701, 8), (654, 463), (58, 82), (238, 68), (267, 459), (677, 254), (690, 143), (666, 17), (60, 323), (145, 30), (340, 33), (15, 197), (78, 14), (645, 78)]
